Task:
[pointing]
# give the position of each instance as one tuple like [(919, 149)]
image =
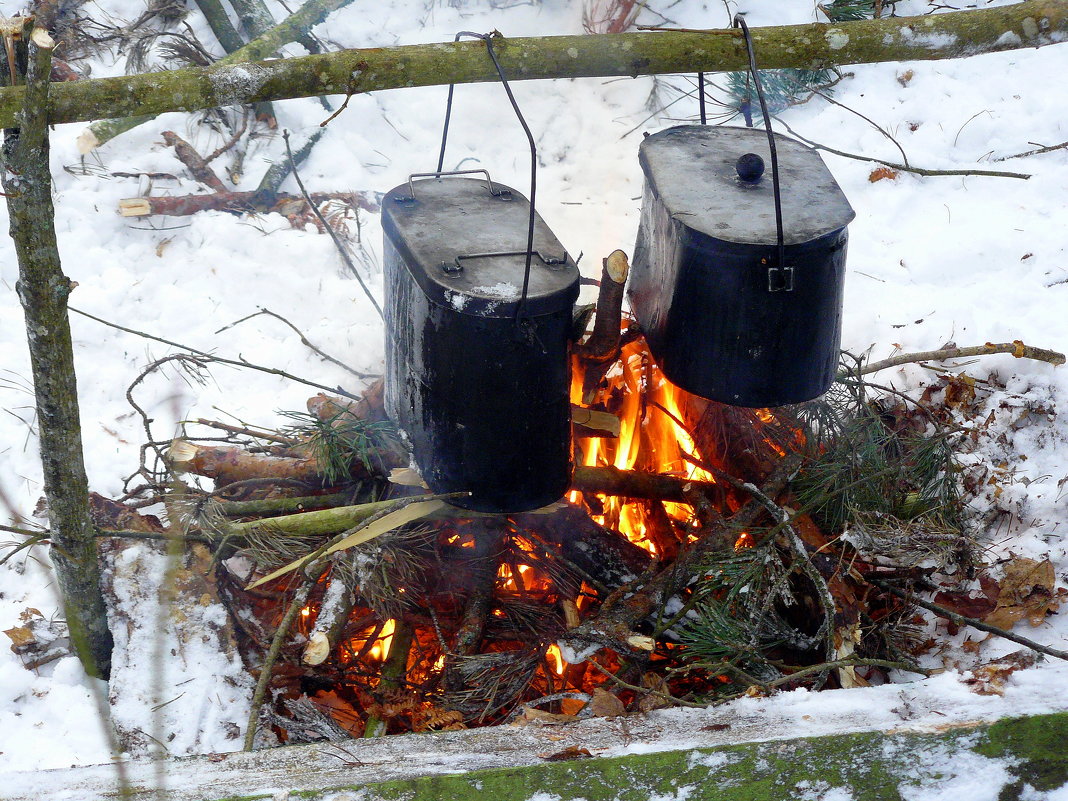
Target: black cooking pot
[(723, 318), (482, 395)]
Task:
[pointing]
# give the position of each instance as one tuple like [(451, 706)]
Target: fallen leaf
[(1026, 591), (605, 705), (21, 638), (882, 173), (531, 715), (960, 391), (904, 77), (571, 752), (657, 699), (974, 606), (990, 679)]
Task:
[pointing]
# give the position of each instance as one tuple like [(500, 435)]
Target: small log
[(594, 423), (603, 555), (603, 344), (283, 506), (239, 202), (634, 484), (188, 155), (371, 406), (229, 463), (334, 610)]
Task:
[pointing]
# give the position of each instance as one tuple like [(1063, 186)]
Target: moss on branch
[(1030, 24)]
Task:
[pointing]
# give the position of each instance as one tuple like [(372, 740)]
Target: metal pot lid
[(464, 240), (697, 173)]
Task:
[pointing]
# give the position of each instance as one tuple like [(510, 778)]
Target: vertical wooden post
[(43, 289)]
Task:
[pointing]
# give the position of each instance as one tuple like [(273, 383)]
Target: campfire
[(666, 575)]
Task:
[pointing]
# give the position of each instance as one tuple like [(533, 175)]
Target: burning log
[(605, 558), (634, 484)]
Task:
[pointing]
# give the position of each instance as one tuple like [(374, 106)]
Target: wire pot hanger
[(520, 312), (739, 22)]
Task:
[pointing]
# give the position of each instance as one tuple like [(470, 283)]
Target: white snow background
[(931, 260)]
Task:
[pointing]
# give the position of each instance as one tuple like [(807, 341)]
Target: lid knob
[(750, 167)]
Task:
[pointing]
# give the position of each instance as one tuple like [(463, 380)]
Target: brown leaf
[(989, 679), (571, 752), (716, 727), (882, 173), (964, 604), (657, 699), (21, 638), (605, 705), (531, 715), (960, 391), (905, 77), (1026, 592)]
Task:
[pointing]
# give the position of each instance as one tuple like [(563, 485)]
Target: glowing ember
[(745, 540)]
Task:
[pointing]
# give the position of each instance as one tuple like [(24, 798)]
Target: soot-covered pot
[(723, 318), (481, 393)]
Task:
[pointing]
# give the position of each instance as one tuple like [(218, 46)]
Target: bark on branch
[(43, 290), (1017, 348), (1030, 24)]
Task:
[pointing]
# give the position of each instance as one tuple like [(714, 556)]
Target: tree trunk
[(43, 289), (1030, 24)]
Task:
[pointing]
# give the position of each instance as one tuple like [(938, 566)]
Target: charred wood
[(634, 484)]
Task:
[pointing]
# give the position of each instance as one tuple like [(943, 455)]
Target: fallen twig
[(219, 359), (1034, 152), (196, 163), (961, 620), (330, 229), (303, 339), (904, 167), (1016, 348)]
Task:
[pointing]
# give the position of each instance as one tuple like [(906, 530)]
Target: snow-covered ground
[(931, 260)]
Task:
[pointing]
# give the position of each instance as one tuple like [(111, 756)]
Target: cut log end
[(181, 455), (128, 207), (617, 267), (41, 38), (317, 649)]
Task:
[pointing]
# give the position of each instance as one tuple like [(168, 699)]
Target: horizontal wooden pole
[(1030, 24)]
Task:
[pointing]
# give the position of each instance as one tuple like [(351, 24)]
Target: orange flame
[(380, 650), (653, 438), (556, 660)]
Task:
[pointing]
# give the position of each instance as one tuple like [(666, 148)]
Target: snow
[(966, 259)]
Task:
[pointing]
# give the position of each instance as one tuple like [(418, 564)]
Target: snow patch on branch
[(235, 85)]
